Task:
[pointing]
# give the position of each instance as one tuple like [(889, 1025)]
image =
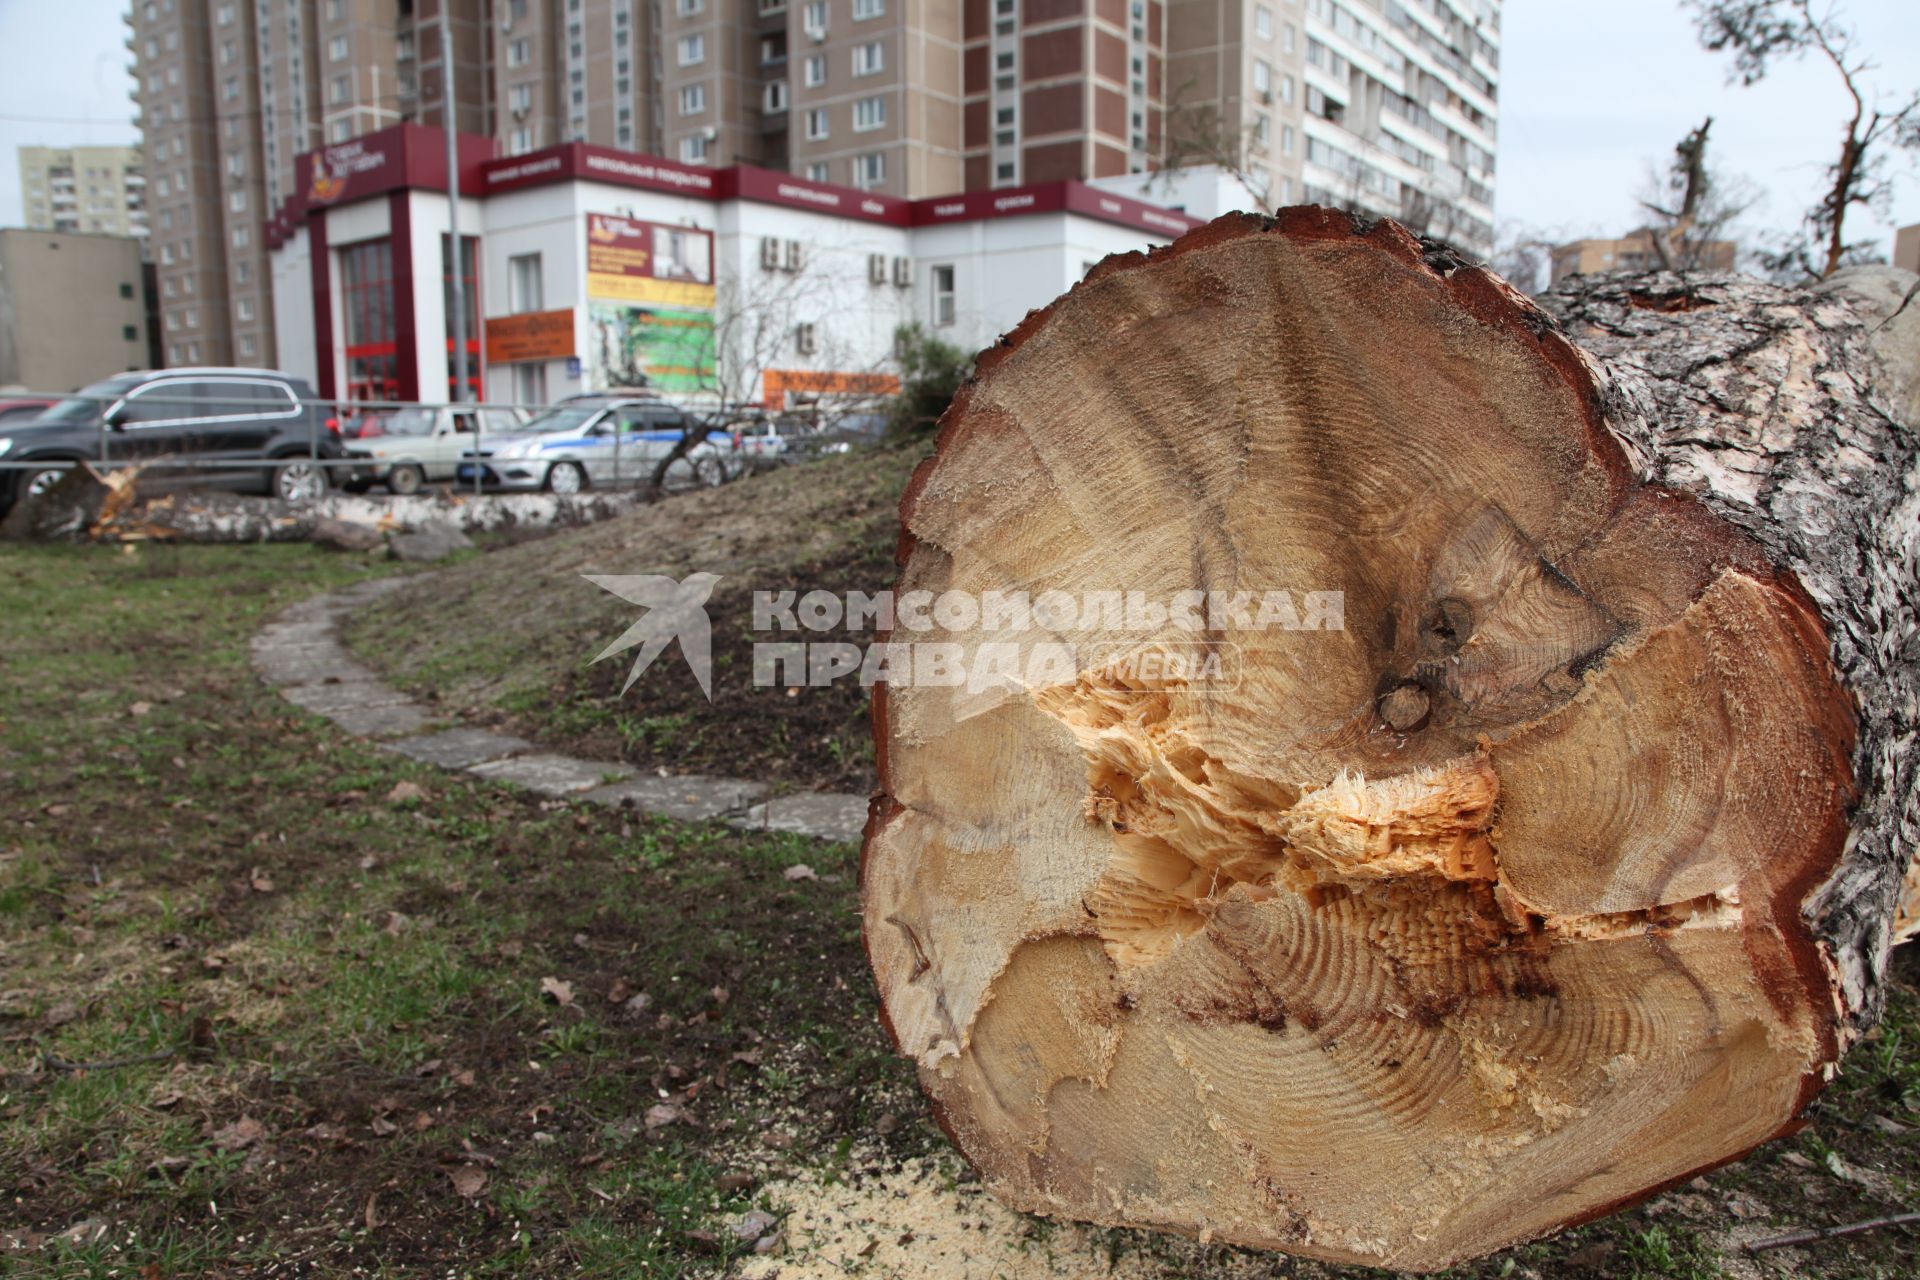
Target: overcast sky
[(1591, 93)]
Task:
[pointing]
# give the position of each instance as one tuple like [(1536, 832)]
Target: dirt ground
[(274, 1002)]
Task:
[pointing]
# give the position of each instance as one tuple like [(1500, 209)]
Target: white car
[(412, 446), (600, 441)]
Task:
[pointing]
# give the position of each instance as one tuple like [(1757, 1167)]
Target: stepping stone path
[(300, 653)]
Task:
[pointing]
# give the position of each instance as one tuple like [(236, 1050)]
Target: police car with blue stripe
[(600, 441)]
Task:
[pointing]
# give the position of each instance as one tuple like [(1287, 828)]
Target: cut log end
[(1394, 943)]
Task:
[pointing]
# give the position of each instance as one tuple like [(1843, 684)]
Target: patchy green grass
[(254, 1010), (258, 1017)]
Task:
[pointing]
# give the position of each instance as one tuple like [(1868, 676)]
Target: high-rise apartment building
[(99, 190), (1382, 105)]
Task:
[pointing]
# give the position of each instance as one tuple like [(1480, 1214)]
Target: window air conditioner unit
[(769, 254), (877, 268), (903, 272), (796, 257)]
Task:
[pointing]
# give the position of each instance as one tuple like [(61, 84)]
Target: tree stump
[(1563, 871)]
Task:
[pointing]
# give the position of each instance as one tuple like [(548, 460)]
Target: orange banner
[(776, 383)]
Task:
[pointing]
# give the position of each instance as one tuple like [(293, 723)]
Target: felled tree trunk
[(1562, 871)]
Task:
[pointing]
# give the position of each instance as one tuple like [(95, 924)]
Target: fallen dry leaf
[(241, 1134), (799, 871), (260, 881), (468, 1180), (663, 1114), (561, 993), (404, 792), (140, 708)]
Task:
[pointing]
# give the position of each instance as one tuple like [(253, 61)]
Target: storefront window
[(366, 273)]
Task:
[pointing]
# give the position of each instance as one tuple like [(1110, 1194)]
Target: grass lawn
[(273, 1001)]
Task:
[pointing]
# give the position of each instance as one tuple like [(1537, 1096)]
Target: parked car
[(599, 441), (21, 408), (198, 416), (406, 448)]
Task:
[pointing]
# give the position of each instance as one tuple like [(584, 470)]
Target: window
[(687, 8), (333, 10), (247, 347), (530, 384), (525, 290), (226, 53), (869, 113), (869, 58), (518, 52), (516, 10), (337, 49), (1003, 61), (244, 309), (693, 149), (870, 170), (129, 333), (774, 97), (242, 237), (773, 48), (693, 50), (520, 97), (338, 90), (1003, 116), (817, 124), (1287, 37), (126, 289), (237, 200), (864, 9), (520, 141), (814, 18), (944, 310), (693, 99), (817, 171), (469, 284), (242, 272), (805, 340), (1262, 77), (224, 17), (1263, 22), (816, 70), (1286, 88), (1003, 172), (1286, 139), (341, 130)]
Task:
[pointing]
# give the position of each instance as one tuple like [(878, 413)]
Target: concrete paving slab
[(383, 722), (303, 666), (285, 633), (824, 816), (552, 774), (690, 799), (343, 695), (459, 748)]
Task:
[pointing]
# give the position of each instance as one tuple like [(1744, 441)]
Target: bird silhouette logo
[(675, 611)]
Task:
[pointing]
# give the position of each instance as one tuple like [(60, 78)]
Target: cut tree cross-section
[(1560, 867)]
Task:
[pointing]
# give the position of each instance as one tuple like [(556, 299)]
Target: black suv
[(189, 418)]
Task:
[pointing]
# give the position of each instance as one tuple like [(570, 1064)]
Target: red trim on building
[(405, 329), (409, 156), (321, 270)]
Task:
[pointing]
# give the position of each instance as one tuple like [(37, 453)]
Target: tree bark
[(1563, 870)]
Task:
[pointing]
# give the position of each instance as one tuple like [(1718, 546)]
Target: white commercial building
[(590, 268)]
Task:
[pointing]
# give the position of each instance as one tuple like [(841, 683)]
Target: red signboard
[(406, 155)]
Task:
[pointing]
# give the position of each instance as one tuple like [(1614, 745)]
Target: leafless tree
[(1693, 207), (1758, 31), (1198, 134)]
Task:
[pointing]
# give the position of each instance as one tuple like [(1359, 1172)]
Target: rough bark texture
[(1565, 870), (1774, 409)]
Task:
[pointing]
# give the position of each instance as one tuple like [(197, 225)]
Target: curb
[(300, 654)]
